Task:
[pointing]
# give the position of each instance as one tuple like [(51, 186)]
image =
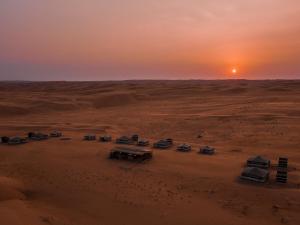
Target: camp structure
[(206, 150), (258, 161), (89, 137), (143, 143), (135, 137), (131, 154), (282, 170), (4, 139), (55, 134), (37, 136), (281, 176), (255, 174), (184, 148), (124, 140), (169, 140), (282, 163), (105, 138), (163, 144), (17, 140)]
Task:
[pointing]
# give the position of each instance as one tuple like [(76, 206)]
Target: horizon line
[(269, 79)]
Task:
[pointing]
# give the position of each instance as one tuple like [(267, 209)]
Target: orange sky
[(139, 39)]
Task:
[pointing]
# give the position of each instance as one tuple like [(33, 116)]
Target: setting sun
[(234, 71)]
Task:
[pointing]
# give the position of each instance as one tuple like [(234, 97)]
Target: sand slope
[(73, 182)]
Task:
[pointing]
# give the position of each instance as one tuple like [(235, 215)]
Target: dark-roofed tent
[(255, 174), (132, 154), (124, 140), (4, 139), (258, 161)]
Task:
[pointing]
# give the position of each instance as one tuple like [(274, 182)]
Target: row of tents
[(160, 144), (34, 136), (257, 168), (123, 140)]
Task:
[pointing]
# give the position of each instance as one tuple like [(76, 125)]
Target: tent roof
[(255, 171), (131, 150), (259, 159)]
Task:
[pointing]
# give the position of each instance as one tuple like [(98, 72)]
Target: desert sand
[(74, 183)]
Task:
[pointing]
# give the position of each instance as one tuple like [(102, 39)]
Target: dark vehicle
[(184, 148), (17, 141), (37, 136), (124, 140), (258, 161), (143, 143), (55, 134), (207, 150), (255, 174), (89, 137), (163, 144), (105, 138), (131, 154), (135, 137)]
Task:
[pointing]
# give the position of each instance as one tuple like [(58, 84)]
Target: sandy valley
[(73, 182)]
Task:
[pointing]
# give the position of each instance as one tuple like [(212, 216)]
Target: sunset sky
[(149, 39)]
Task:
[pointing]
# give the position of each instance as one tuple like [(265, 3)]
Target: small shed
[(105, 138), (4, 139), (135, 137), (282, 170), (162, 144), (207, 150), (169, 140), (184, 148), (17, 141), (124, 140), (283, 162), (143, 142), (89, 137), (37, 136), (56, 134)]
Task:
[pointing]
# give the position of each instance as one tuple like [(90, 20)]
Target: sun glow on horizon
[(234, 71)]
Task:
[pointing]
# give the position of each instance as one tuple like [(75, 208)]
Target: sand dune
[(73, 183), (11, 189), (9, 110), (115, 99)]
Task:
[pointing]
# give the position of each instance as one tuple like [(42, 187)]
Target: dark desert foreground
[(74, 183)]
